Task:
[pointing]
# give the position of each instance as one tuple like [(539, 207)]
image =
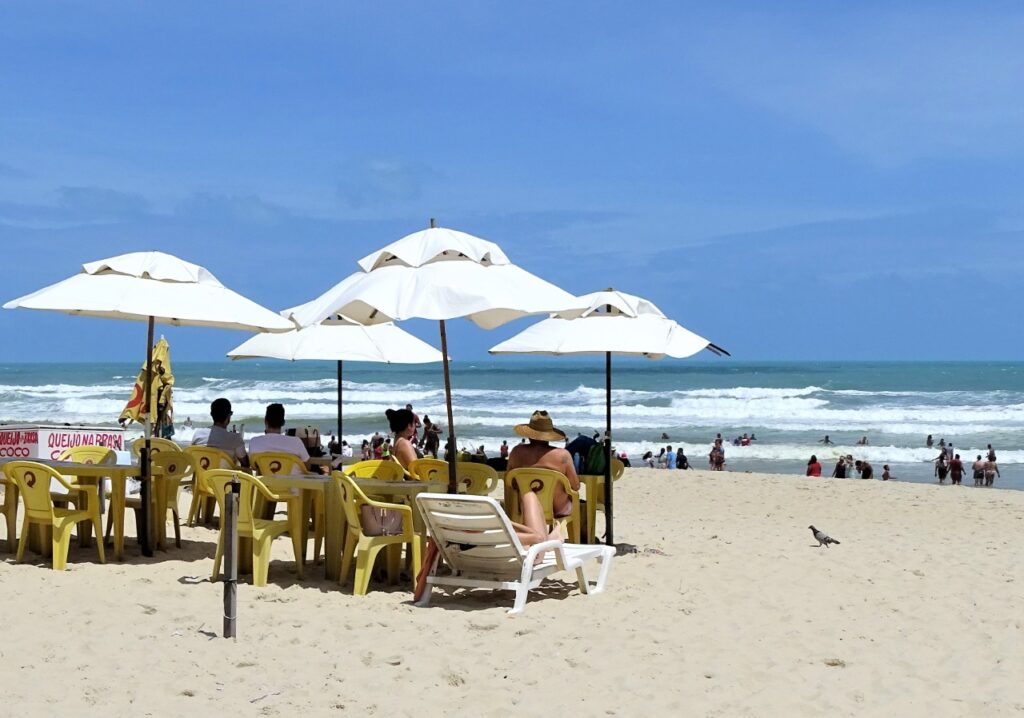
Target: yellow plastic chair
[(261, 531), (475, 479), (364, 547), (376, 469), (85, 454), (429, 469), (33, 481), (156, 445), (596, 502), (542, 482), (204, 459), (175, 469), (270, 463)]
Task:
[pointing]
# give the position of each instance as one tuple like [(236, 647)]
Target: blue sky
[(808, 182)]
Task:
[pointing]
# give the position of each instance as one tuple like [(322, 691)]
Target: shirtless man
[(539, 453), (956, 469)]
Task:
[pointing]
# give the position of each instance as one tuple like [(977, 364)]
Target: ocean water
[(789, 406)]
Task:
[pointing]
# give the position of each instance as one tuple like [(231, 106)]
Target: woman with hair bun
[(403, 425)]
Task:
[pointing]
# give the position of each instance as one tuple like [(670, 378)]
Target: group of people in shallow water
[(947, 464), (847, 468)]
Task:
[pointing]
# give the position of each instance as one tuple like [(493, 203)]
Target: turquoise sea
[(789, 406)]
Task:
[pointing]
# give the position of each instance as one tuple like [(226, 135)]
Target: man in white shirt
[(274, 440), (218, 435)]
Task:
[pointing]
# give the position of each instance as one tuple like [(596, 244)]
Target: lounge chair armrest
[(539, 548)]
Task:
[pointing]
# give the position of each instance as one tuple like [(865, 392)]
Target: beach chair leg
[(425, 598), (581, 579), (605, 559), (177, 528), (521, 593), (364, 567), (97, 523), (394, 558), (216, 558), (23, 541), (346, 558)]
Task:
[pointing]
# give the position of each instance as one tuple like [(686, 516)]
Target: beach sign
[(47, 442)]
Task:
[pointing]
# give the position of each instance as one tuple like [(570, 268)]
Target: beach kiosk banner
[(47, 442)]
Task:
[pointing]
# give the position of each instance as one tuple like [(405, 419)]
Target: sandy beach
[(726, 609)]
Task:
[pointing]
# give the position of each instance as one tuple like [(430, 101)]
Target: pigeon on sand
[(823, 538)]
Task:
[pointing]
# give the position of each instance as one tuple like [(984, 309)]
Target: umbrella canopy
[(383, 343), (610, 322), (617, 322), (437, 274), (144, 285), (152, 287), (340, 342), (160, 406)]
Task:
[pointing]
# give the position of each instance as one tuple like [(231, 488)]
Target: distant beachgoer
[(941, 469), (928, 442), (839, 472), (991, 472), (377, 447), (188, 422), (851, 466), (885, 473), (416, 424), (504, 449), (956, 469), (978, 469), (346, 450), (866, 472), (218, 435), (624, 458), (942, 443), (813, 467), (991, 453), (664, 436), (579, 450), (752, 437), (862, 441), (826, 441), (670, 458), (648, 459), (716, 459), (366, 451), (681, 461), (661, 458)]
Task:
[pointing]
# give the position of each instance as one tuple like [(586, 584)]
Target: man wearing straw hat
[(538, 453)]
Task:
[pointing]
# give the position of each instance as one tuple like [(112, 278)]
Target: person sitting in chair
[(273, 439), (218, 435), (539, 453)]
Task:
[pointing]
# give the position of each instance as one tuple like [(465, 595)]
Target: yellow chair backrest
[(156, 445), (89, 455), (352, 497), (33, 480), (218, 480), (271, 463), (206, 459), (429, 469), (174, 466), (475, 479), (377, 469), (540, 481)]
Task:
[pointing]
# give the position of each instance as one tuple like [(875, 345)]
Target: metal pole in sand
[(231, 496)]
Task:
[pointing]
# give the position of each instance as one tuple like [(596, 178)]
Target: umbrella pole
[(608, 537), (339, 404), (146, 491), (451, 420)]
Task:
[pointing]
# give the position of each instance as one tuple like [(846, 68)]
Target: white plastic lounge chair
[(478, 543)]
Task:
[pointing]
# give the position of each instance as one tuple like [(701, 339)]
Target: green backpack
[(596, 460)]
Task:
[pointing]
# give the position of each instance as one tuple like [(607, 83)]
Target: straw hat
[(540, 428)]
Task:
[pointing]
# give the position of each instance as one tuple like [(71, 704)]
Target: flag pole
[(146, 490)]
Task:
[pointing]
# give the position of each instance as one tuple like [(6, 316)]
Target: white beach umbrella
[(437, 274), (383, 343), (611, 322), (156, 288)]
